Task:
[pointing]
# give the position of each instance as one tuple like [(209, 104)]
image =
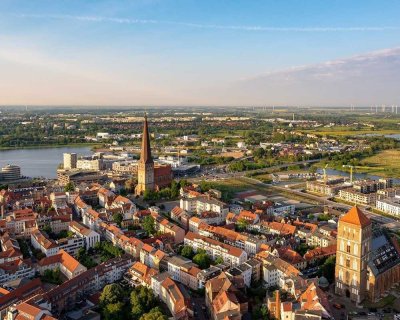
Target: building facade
[(352, 255)]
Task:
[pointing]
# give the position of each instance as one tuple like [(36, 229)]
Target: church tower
[(352, 254), (146, 164)]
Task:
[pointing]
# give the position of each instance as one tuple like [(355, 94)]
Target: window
[(355, 249), (355, 265), (348, 247), (341, 245), (348, 262)]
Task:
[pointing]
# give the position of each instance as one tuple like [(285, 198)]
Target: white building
[(70, 160), (230, 254), (390, 206), (91, 237)]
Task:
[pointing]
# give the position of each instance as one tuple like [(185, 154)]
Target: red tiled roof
[(356, 216)]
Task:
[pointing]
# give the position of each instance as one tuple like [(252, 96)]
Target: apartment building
[(65, 296), (390, 206), (230, 254), (91, 237), (51, 247), (354, 196), (184, 271), (67, 264), (16, 269)]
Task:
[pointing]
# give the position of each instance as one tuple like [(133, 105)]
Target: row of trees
[(139, 304)]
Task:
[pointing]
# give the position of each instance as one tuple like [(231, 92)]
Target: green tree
[(148, 225), (187, 252), (52, 276), (202, 259), (328, 268), (219, 260), (47, 229), (69, 187), (154, 314), (175, 187), (242, 224), (113, 311), (117, 218), (142, 301), (112, 293)]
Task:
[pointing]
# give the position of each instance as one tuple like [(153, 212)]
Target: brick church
[(367, 258), (151, 176)]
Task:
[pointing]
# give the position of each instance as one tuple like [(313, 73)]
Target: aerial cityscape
[(199, 160)]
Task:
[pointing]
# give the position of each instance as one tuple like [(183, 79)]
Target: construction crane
[(325, 175), (351, 171), (358, 167)]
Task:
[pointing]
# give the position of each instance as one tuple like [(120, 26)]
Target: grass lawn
[(347, 131), (384, 302), (229, 187), (264, 177), (386, 161)]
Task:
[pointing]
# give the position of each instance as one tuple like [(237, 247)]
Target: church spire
[(145, 155)]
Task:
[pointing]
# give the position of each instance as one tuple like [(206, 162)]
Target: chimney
[(277, 305)]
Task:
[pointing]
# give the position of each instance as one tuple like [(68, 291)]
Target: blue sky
[(160, 52)]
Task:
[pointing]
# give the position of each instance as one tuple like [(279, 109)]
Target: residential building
[(65, 296), (91, 237), (231, 255), (224, 300), (354, 196), (70, 161), (67, 264), (390, 206)]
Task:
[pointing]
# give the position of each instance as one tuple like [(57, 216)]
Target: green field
[(348, 131), (387, 163)]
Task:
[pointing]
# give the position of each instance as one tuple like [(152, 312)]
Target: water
[(393, 136), (356, 176), (41, 162)]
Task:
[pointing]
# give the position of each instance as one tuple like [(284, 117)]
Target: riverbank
[(41, 162), (385, 164), (47, 146)]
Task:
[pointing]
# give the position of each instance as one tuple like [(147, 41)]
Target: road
[(227, 175), (322, 200), (318, 199)]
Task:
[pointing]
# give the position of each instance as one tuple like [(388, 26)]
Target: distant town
[(202, 213)]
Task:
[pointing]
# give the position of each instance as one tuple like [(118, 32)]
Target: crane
[(351, 171), (358, 167), (325, 175)]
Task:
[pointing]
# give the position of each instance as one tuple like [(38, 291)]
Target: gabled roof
[(356, 216)]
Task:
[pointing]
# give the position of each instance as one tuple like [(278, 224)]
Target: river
[(40, 162)]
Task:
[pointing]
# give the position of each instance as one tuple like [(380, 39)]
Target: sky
[(203, 52)]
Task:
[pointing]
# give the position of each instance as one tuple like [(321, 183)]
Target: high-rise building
[(70, 161), (10, 172), (352, 255), (146, 164)]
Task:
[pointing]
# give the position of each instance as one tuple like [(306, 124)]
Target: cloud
[(363, 79), (250, 28)]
